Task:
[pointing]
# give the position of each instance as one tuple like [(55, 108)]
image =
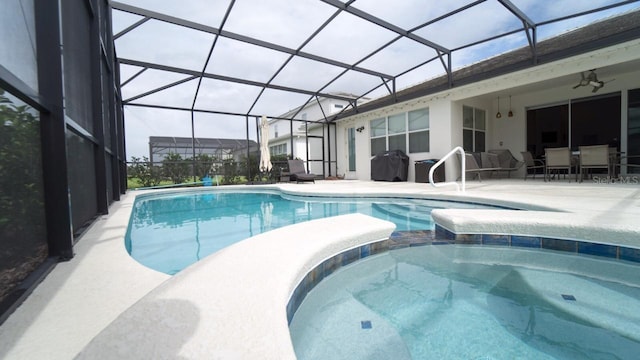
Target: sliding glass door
[(589, 121)]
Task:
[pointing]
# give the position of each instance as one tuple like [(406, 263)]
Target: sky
[(289, 23)]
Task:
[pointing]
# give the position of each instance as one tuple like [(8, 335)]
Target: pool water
[(469, 302), (168, 232)]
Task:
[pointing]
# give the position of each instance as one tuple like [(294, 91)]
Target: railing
[(441, 161)]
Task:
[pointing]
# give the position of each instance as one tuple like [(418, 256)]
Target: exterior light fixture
[(498, 115), (510, 111)]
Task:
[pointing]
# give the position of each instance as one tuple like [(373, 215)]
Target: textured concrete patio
[(80, 298)]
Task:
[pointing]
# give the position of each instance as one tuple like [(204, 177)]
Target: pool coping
[(221, 297)]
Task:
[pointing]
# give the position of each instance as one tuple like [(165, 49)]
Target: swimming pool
[(472, 302), (170, 231)]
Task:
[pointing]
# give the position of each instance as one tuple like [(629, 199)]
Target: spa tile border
[(404, 239), (540, 242)]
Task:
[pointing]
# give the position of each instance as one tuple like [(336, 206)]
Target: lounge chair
[(531, 164), (298, 173)]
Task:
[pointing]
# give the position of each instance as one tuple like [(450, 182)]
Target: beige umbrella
[(265, 156)]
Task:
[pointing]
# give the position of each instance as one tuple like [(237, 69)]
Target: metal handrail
[(463, 167)]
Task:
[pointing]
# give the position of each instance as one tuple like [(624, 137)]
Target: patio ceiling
[(249, 58)]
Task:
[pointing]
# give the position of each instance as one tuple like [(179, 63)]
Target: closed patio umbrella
[(265, 156)]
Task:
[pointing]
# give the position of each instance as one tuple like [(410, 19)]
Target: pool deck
[(80, 298)]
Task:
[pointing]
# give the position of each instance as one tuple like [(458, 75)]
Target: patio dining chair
[(594, 157), (558, 159), (531, 164)]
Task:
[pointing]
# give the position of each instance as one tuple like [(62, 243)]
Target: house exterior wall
[(543, 85)]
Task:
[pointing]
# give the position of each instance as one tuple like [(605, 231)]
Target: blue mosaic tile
[(598, 249), (365, 324), (442, 242), (380, 247), (525, 241), (630, 254), (365, 250), (559, 244), (350, 256), (294, 302), (313, 277), (442, 233), (469, 239), (488, 239), (420, 244), (569, 297), (330, 265)]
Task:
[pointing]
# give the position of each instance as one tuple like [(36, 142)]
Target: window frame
[(475, 129), (390, 133)]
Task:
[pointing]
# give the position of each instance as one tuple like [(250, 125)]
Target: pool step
[(412, 212)]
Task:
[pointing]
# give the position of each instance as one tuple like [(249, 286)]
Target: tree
[(229, 171), (22, 218), (148, 174), (175, 168), (204, 164)]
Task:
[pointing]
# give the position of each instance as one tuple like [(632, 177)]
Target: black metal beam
[(238, 37), (131, 27), (21, 90), (161, 88), (291, 56), (53, 130), (587, 12), (98, 113), (376, 20), (124, 83), (529, 26), (227, 78), (215, 112)]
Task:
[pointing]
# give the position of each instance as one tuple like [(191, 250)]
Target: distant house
[(305, 138), (221, 149)]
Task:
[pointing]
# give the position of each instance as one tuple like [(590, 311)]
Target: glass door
[(633, 132), (351, 145)]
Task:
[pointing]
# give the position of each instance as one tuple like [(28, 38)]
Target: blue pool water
[(468, 302), (168, 232)]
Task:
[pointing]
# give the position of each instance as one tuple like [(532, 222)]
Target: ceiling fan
[(591, 79)]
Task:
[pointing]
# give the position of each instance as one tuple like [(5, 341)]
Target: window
[(280, 149), (473, 129), (396, 131), (378, 136), (339, 106), (418, 131)]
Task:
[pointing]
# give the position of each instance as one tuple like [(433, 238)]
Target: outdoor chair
[(558, 159), (506, 161), (298, 173), (594, 157), (531, 164), (472, 167)]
